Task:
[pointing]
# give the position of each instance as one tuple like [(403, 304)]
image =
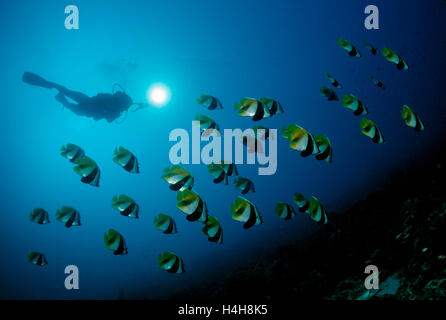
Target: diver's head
[(123, 100)]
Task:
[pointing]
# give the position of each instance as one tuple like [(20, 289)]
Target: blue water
[(230, 49)]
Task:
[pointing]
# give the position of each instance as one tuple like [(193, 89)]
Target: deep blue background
[(227, 48)]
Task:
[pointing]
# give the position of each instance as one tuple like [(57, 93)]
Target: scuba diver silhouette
[(102, 106)]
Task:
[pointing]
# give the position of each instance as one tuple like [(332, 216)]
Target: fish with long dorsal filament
[(274, 107), (285, 211), (37, 259), (372, 49), (221, 171), (300, 140), (325, 149), (88, 170), (393, 57), (165, 223), (245, 211), (126, 206), (329, 94), (210, 102), (335, 83), (115, 242), (212, 228), (369, 128), (193, 205), (72, 152), (256, 143), (302, 203), (69, 216), (126, 159), (317, 211), (178, 178), (351, 102), (170, 262), (39, 216), (250, 107), (208, 126), (377, 82), (244, 185), (352, 51), (411, 119)]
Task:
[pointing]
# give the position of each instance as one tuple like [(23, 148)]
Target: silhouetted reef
[(400, 229)]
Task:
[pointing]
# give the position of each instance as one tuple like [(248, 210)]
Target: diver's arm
[(140, 105)]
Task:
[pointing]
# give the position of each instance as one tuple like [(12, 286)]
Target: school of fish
[(242, 209)]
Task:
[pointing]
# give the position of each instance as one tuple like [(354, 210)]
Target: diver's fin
[(35, 80)]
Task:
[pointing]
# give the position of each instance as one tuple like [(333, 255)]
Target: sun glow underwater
[(158, 95)]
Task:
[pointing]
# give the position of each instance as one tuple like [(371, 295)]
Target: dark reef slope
[(400, 229)]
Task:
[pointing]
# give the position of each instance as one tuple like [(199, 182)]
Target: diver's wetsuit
[(102, 106)]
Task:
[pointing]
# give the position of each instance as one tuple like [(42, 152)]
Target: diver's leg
[(78, 97), (76, 108), (36, 80)]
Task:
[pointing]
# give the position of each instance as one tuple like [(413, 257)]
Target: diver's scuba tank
[(117, 88)]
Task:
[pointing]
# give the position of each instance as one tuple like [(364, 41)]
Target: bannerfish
[(213, 230), (300, 140), (245, 211), (191, 204), (377, 82), (207, 125), (72, 152), (115, 242), (262, 133), (325, 149), (393, 57), (221, 171), (301, 202), (352, 51), (329, 93), (178, 178), (244, 184), (317, 211), (171, 262), (351, 102), (335, 83), (285, 211), (37, 259), (369, 128), (69, 216), (273, 106), (411, 119), (126, 206), (165, 223), (88, 170), (39, 215), (250, 107), (126, 159), (372, 49), (210, 102)]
